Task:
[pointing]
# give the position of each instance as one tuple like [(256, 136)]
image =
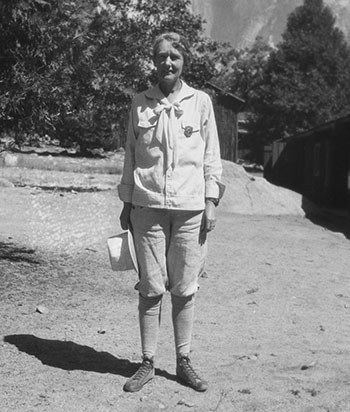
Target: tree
[(243, 70), (307, 79), (73, 65), (21, 65), (242, 74)]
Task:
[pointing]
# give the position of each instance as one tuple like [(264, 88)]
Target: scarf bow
[(167, 129)]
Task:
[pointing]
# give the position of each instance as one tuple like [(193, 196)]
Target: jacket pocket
[(146, 127)]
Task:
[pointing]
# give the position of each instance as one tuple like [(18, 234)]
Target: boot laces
[(143, 370), (187, 367)]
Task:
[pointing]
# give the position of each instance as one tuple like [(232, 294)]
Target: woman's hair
[(179, 43)]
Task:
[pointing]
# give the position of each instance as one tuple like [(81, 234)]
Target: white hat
[(122, 253)]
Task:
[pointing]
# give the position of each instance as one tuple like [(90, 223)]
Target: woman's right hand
[(125, 216)]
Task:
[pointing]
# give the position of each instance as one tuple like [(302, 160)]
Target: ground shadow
[(68, 355), (335, 220), (332, 225), (13, 253)]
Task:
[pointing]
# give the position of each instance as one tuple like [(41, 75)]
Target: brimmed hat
[(122, 253)]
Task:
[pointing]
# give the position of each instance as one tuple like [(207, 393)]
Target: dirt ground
[(272, 327)]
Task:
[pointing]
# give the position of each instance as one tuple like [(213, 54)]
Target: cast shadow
[(335, 220), (69, 356), (13, 253)]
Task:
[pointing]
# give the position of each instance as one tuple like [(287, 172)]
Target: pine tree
[(307, 79)]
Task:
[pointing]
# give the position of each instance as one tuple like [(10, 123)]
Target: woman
[(170, 188)]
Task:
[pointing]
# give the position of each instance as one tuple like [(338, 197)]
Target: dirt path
[(272, 325)]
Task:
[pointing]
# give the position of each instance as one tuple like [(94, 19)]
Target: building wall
[(226, 121), (316, 165)]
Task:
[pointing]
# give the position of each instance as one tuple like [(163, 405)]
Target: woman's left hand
[(210, 215), (209, 218)]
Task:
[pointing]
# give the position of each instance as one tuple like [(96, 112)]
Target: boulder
[(250, 194)]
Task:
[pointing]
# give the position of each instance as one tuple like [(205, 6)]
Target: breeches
[(169, 251)]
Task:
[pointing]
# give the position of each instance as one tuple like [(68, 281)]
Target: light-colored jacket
[(172, 153)]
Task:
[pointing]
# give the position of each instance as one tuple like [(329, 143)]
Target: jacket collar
[(155, 92)]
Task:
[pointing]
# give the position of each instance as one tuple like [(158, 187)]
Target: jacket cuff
[(125, 192), (214, 189)]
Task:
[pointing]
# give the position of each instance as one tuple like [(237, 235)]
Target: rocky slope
[(240, 22)]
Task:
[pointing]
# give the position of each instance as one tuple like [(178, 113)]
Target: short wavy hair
[(179, 43)]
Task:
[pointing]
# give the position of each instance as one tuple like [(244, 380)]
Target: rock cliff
[(240, 22)]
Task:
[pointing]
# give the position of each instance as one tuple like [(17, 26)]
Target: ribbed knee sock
[(149, 318), (183, 316)]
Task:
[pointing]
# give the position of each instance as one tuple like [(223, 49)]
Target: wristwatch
[(213, 200)]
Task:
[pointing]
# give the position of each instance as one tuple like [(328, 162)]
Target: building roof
[(226, 94), (320, 128)]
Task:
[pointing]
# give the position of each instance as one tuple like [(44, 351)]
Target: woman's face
[(169, 62)]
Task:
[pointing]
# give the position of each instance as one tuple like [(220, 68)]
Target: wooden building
[(315, 163), (226, 108)]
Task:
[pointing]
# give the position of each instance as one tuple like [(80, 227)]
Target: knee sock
[(183, 316), (149, 318)]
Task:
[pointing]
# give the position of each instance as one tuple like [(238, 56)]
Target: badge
[(188, 131)]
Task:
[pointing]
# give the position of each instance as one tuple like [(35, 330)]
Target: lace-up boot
[(144, 374), (188, 375)]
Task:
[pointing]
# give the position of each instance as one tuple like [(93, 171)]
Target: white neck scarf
[(167, 129)]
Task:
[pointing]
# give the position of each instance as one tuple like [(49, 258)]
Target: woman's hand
[(208, 220), (210, 215), (125, 216)]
